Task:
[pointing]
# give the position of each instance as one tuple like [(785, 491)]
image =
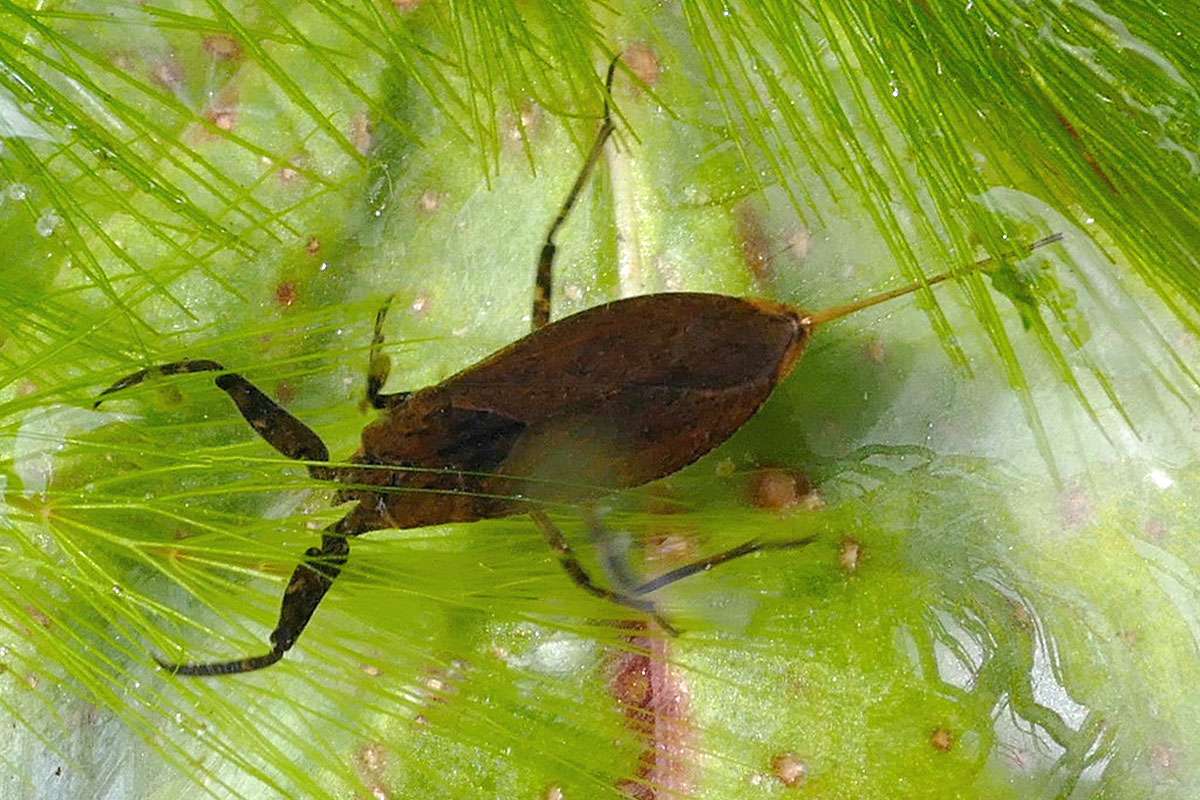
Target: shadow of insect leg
[(308, 585), (545, 269), (613, 550), (566, 556), (379, 365), (288, 435)]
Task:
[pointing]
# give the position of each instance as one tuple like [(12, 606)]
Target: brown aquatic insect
[(607, 399)]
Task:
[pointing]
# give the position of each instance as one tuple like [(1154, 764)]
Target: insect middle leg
[(288, 435), (379, 365), (545, 270)]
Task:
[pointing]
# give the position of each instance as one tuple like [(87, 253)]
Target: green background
[(1002, 601)]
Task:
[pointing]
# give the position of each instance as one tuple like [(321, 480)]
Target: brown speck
[(407, 6), (850, 555), (38, 616), (360, 133), (672, 548), (1156, 529), (875, 351), (756, 247), (285, 294), (1130, 636), (372, 670), (222, 111), (789, 769), (942, 740), (799, 242), (1163, 758), (430, 201), (1075, 508), (780, 489), (288, 173), (553, 792), (1022, 616), (313, 246), (168, 73), (516, 130), (371, 758), (635, 790), (420, 305), (774, 489), (630, 684), (222, 47), (285, 392), (644, 62)]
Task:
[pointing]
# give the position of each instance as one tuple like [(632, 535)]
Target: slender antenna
[(837, 312)]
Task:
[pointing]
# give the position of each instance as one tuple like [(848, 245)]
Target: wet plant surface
[(1002, 597)]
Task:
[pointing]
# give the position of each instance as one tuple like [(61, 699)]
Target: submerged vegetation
[(1003, 598)]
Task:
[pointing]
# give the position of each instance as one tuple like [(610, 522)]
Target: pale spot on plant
[(430, 201), (222, 47), (361, 135), (875, 351), (850, 555), (644, 62), (789, 769)]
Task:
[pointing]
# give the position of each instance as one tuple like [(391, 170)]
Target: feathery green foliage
[(1002, 597)]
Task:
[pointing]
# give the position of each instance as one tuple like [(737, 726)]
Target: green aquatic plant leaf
[(1000, 598)]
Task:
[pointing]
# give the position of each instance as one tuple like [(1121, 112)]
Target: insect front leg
[(545, 269), (288, 435), (309, 582)]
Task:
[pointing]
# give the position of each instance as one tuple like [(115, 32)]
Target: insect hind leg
[(566, 556), (287, 434), (630, 590), (705, 564), (545, 269)]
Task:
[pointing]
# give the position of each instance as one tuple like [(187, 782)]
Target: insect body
[(606, 399), (644, 386)]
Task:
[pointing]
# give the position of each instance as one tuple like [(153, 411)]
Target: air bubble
[(47, 223)]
